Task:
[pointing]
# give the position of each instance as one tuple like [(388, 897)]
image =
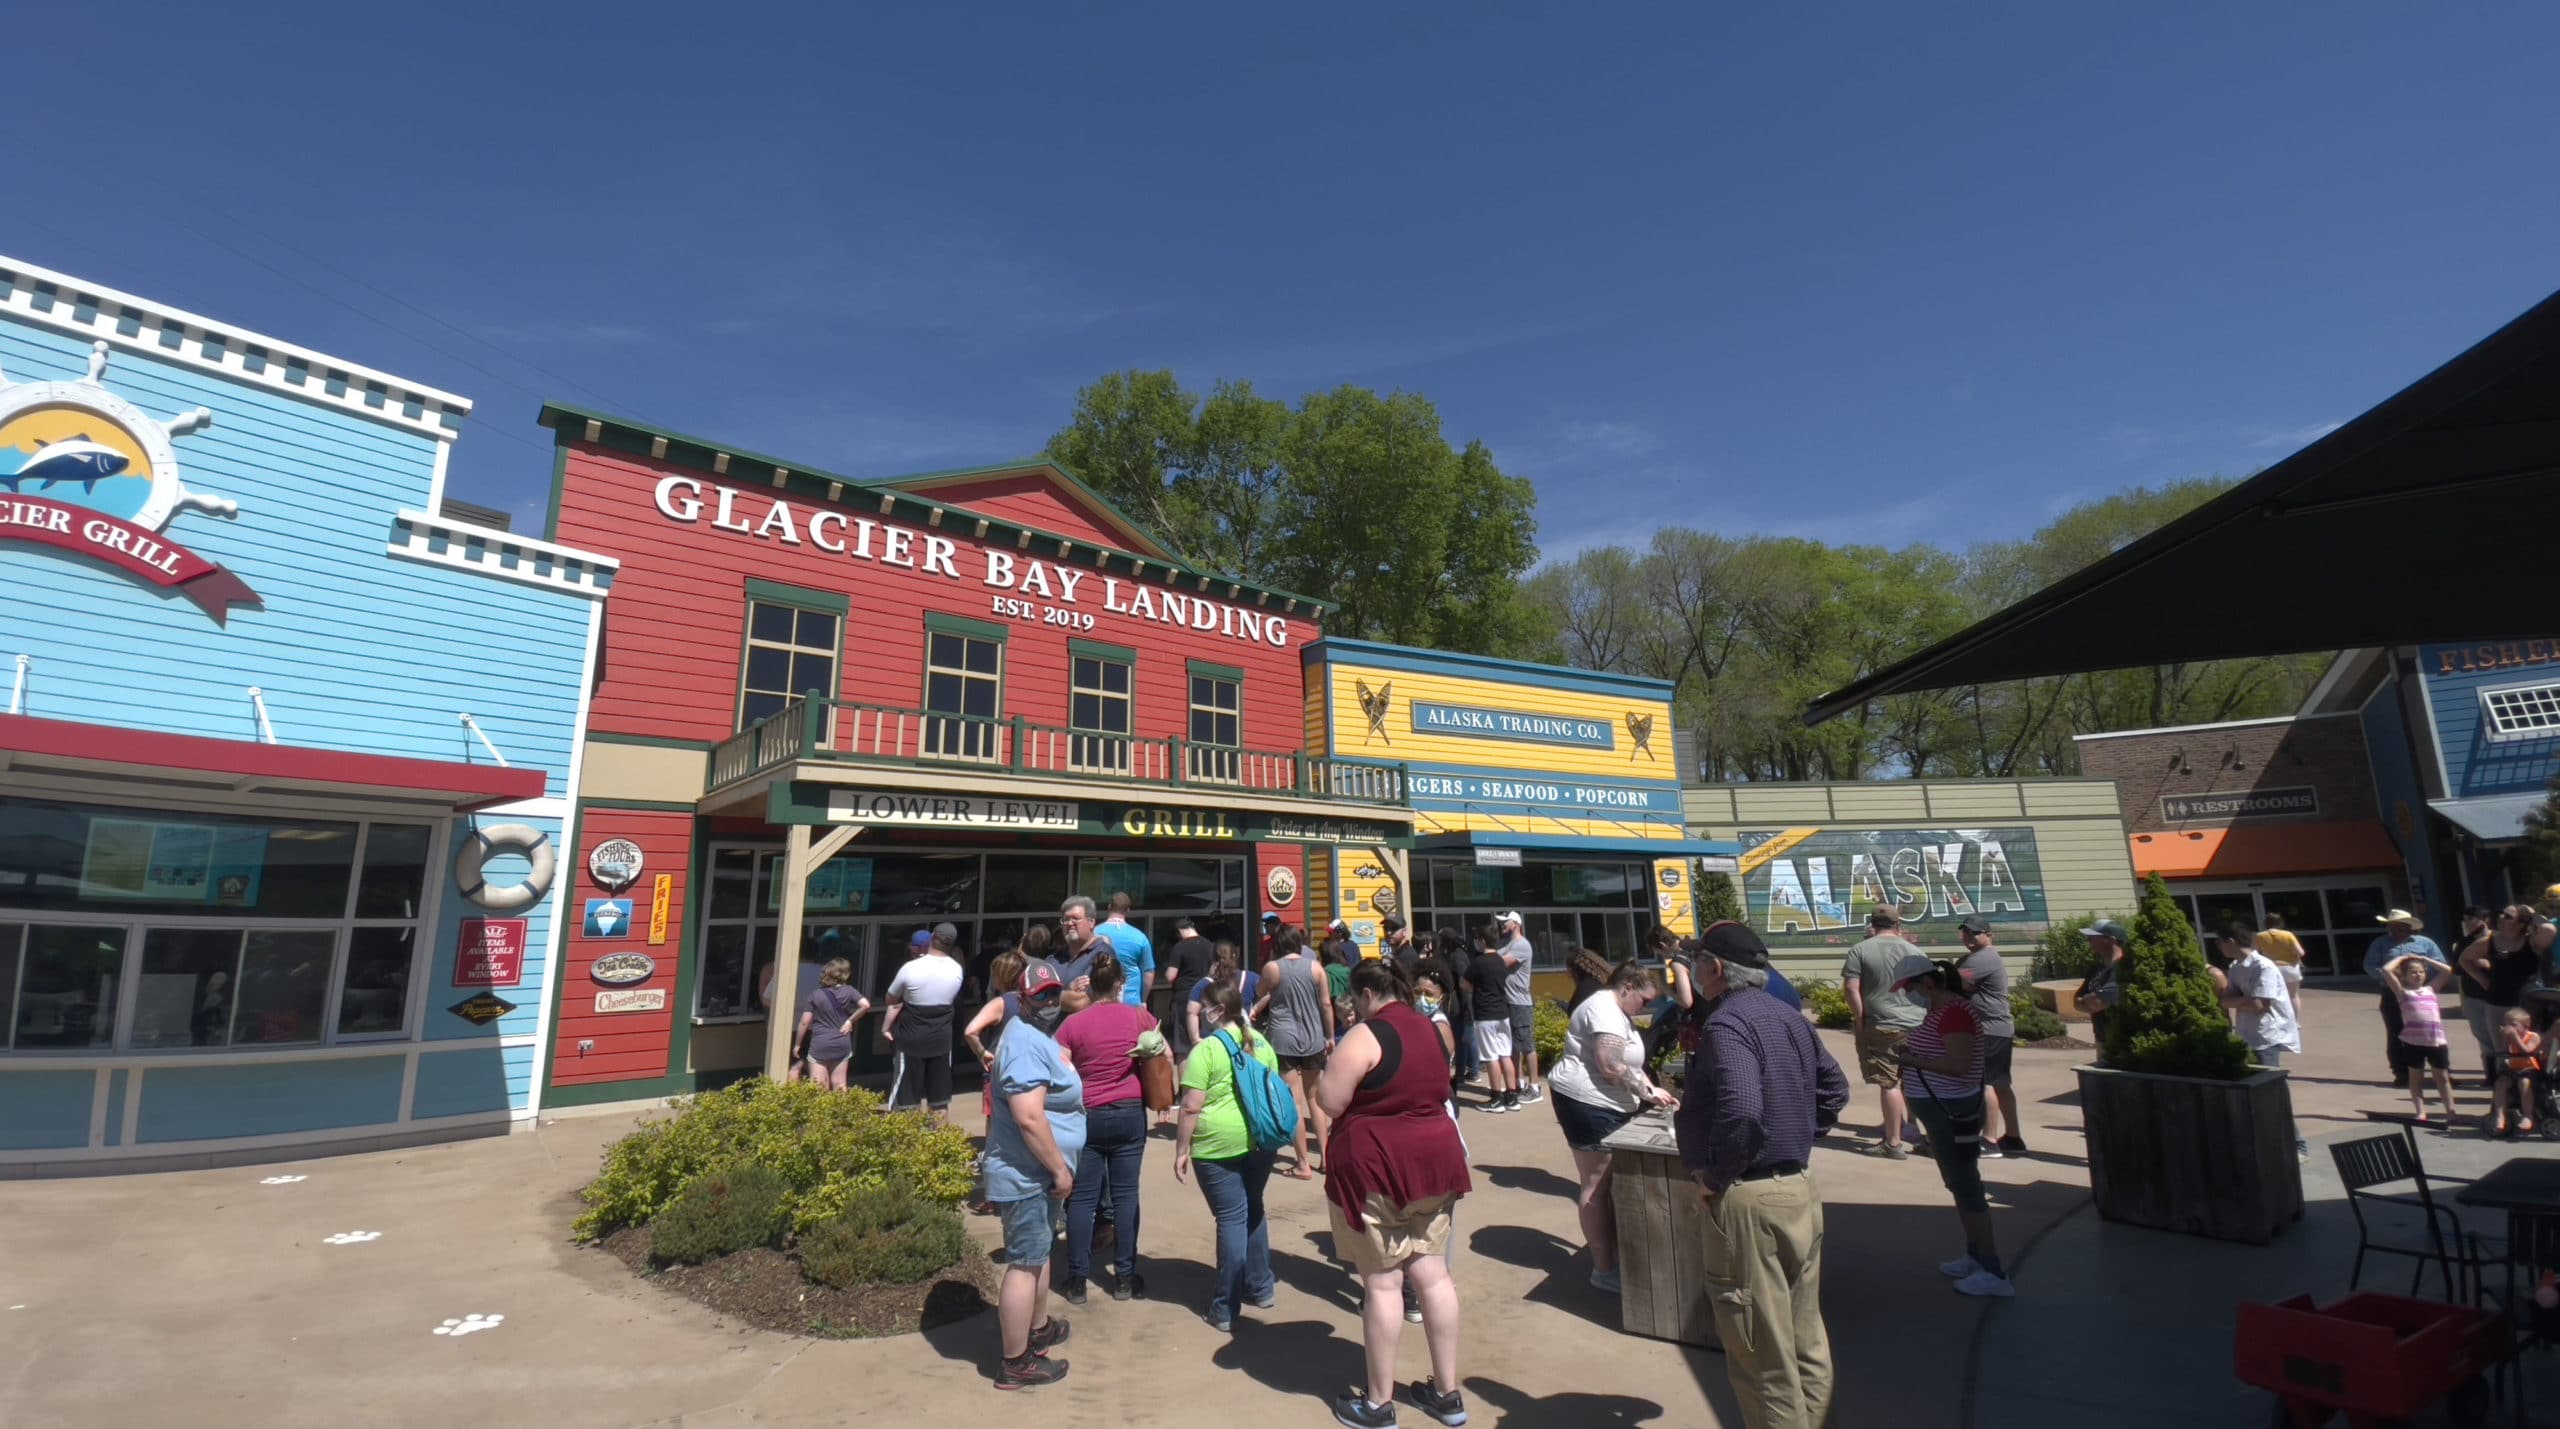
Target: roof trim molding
[(68, 304), (1138, 537), (2207, 728), (887, 497)]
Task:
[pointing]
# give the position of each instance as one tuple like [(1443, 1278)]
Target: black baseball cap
[(1734, 943), (1392, 924), (1977, 924)]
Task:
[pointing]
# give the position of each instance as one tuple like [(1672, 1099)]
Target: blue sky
[(1875, 273)]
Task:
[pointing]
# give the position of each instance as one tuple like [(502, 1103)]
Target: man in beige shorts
[(1885, 1019)]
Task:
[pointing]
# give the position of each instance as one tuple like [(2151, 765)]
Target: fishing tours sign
[(1816, 886), (83, 470)]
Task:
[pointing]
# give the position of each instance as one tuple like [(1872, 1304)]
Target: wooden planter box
[(1662, 1237), (2186, 1154)]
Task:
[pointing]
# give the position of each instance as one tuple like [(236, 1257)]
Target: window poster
[(152, 861), (840, 885), (1099, 878), (1477, 885)]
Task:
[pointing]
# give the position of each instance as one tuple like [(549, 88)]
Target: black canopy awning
[(2427, 518)]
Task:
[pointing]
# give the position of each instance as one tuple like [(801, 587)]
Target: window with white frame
[(1098, 713), (1217, 724), (791, 650), (2522, 711), (149, 929), (963, 685)]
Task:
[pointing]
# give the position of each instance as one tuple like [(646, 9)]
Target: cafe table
[(2527, 1189)]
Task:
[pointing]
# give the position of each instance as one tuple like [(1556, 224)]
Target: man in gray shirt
[(1986, 987), (1885, 1020), (1515, 953)]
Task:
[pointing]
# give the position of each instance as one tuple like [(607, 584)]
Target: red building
[(948, 698)]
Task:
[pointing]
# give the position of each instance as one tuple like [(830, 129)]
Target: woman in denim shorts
[(1032, 1145)]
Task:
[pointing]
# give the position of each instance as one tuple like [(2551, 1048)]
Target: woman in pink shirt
[(1102, 1041), (2415, 981)]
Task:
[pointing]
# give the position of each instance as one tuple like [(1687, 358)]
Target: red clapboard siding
[(1032, 498), (1292, 857), (676, 621), (628, 1045)]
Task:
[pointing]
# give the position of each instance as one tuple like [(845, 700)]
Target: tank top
[(2421, 1021), (2510, 972), (1297, 1008), (1396, 1139)]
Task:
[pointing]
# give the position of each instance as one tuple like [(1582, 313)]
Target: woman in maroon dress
[(1394, 1170)]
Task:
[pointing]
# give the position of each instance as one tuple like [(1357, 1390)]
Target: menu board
[(1099, 878), (151, 860), (840, 885)]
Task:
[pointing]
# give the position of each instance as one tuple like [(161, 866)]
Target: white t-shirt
[(2256, 975), (1578, 1075), (927, 982)]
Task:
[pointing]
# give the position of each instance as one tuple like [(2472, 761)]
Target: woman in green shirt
[(1211, 1137)]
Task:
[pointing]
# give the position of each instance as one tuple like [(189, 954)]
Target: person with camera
[(1941, 1065)]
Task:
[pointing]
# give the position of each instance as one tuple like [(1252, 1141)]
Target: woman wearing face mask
[(1032, 1146), (1942, 1081), (1600, 1085)]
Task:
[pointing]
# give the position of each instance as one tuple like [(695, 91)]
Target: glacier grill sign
[(1816, 886)]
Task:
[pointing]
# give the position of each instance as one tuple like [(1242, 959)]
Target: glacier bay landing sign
[(1816, 886)]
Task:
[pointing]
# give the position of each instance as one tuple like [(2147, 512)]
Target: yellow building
[(1547, 791)]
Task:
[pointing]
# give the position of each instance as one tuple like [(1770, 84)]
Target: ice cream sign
[(86, 472)]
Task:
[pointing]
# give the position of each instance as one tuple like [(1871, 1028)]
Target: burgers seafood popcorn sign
[(1816, 886)]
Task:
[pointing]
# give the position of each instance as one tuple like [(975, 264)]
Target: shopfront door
[(2332, 917)]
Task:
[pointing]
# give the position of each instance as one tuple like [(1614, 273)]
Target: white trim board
[(57, 300)]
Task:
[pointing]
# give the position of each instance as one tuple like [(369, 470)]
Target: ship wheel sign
[(1375, 704), (1640, 729)]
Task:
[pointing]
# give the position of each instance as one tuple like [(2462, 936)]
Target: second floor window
[(790, 652), (964, 675), (1098, 713), (1217, 726)]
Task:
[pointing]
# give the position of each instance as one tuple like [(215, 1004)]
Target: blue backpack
[(1270, 1112)]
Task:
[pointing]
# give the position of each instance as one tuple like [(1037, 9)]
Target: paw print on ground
[(282, 1180), (352, 1237), (469, 1324)]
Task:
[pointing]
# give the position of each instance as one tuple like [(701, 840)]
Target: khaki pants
[(1764, 1269)]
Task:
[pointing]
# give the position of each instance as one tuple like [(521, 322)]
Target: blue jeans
[(1115, 1143), (1233, 1189)]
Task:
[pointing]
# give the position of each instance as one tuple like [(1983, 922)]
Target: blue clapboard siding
[(42, 1111), (441, 1025), (356, 649), (2473, 762), (269, 1098), (461, 1083)]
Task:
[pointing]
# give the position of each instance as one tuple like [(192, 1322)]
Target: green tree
[(1718, 900), (1131, 433), (2542, 840), (2167, 1018)]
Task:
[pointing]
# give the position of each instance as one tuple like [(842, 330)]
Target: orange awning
[(2271, 851)]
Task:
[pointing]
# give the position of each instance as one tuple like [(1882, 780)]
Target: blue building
[(288, 741)]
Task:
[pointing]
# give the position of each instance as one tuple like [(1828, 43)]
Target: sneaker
[(1893, 1151), (1223, 1324), (1497, 1106), (1049, 1336), (1605, 1280), (1412, 1313), (1030, 1372), (1987, 1151), (1983, 1282), (1265, 1300), (1352, 1408), (1531, 1095), (1129, 1286), (1959, 1268), (1072, 1291), (1447, 1406), (2013, 1146)]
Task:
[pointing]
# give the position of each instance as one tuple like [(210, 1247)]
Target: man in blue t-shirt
[(1137, 955)]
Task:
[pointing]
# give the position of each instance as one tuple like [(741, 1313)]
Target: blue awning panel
[(2493, 818)]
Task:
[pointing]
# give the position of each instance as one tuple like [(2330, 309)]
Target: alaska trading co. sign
[(1816, 886)]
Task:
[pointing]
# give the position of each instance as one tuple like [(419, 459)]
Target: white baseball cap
[(1511, 918)]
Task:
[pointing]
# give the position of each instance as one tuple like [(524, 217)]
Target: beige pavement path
[(211, 1299)]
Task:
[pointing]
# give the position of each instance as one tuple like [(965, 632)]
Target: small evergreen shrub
[(1828, 1004), (886, 1235), (1718, 900), (719, 1213), (823, 1145), (1551, 1024), (2063, 951), (2167, 1019), (2034, 1023)]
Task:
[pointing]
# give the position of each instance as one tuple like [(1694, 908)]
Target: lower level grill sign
[(482, 1009)]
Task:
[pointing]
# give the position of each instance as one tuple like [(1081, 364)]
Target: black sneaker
[(1072, 1291), (1352, 1408), (1129, 1286), (1049, 1336), (2013, 1146), (1030, 1372), (1449, 1408)]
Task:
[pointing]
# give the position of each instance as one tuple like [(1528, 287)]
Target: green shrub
[(824, 1145), (1551, 1025), (1828, 1004), (886, 1235), (2063, 952), (1718, 900), (719, 1213), (2034, 1023), (2167, 1018)]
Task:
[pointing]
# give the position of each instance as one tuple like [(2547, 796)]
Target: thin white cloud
[(2289, 438), (1612, 439)]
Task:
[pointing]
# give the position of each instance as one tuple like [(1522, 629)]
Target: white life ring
[(533, 843)]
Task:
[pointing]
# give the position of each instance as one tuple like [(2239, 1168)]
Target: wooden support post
[(785, 1011)]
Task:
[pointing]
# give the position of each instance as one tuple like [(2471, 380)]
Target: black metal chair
[(2530, 1248), (2388, 1160)]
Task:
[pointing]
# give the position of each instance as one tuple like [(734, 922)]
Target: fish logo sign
[(85, 471), (1640, 730), (1375, 704)]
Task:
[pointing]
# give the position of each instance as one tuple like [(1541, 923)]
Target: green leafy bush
[(824, 1146), (2034, 1023), (886, 1235), (1551, 1024), (2063, 952), (1718, 900), (1828, 1004), (718, 1213), (2167, 1018)]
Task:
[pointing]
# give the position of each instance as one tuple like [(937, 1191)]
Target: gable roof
[(1077, 503)]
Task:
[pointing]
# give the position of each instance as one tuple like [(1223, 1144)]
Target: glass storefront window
[(1026, 882), (373, 997), (68, 981), (75, 858), (394, 884)]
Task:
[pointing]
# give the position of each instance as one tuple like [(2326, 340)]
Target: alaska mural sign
[(86, 472), (1816, 886)]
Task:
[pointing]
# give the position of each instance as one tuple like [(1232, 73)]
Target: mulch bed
[(764, 1288)]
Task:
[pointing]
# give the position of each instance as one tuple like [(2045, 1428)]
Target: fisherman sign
[(1818, 885)]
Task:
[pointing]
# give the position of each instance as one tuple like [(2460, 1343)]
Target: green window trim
[(800, 597), (1200, 668), (1096, 650), (963, 625)]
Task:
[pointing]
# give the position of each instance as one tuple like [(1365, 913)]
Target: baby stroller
[(2544, 1005)]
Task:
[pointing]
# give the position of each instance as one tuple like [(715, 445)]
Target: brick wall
[(2325, 755)]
